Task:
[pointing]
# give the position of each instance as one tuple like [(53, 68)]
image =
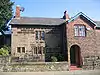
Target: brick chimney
[(17, 14), (66, 16)]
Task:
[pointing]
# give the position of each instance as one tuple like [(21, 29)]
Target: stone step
[(72, 68)]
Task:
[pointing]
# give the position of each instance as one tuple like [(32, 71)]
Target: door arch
[(75, 55)]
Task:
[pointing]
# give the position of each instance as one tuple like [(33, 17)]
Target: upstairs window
[(79, 30), (40, 35), (36, 34)]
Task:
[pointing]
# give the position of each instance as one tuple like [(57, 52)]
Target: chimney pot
[(66, 16)]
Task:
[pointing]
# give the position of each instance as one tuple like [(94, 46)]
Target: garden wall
[(91, 63), (34, 67)]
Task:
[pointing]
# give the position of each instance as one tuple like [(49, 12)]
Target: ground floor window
[(38, 50), (20, 49)]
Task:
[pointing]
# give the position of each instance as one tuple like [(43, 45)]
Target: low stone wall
[(91, 63), (34, 67)]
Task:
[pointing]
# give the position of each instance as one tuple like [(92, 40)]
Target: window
[(18, 49), (40, 35), (35, 50), (79, 30), (23, 49), (36, 35), (38, 50)]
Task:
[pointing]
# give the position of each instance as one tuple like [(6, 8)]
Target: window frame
[(38, 50), (18, 49), (78, 32), (23, 48), (39, 35)]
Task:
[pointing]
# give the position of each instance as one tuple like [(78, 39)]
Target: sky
[(56, 8)]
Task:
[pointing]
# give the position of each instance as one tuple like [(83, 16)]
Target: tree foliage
[(5, 13)]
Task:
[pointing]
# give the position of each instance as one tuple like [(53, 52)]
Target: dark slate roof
[(98, 23), (48, 21), (37, 21), (6, 32)]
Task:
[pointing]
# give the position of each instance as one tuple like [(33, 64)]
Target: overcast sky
[(55, 8)]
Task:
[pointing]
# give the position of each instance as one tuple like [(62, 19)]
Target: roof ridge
[(81, 13), (41, 17)]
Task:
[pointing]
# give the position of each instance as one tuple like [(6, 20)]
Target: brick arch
[(75, 55), (75, 44)]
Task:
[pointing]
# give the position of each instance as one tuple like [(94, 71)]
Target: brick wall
[(89, 45)]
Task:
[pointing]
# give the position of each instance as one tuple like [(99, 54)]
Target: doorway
[(75, 55)]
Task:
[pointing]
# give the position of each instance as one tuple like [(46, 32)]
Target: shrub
[(4, 51), (60, 57), (54, 59)]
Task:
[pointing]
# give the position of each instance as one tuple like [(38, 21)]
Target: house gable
[(83, 17)]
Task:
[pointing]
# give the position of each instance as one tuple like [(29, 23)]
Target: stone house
[(75, 38)]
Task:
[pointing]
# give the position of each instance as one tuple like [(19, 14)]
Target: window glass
[(35, 50), (18, 49), (39, 50), (23, 49), (79, 30), (36, 35), (43, 35), (40, 35)]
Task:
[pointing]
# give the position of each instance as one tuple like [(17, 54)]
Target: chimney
[(17, 15), (66, 16)]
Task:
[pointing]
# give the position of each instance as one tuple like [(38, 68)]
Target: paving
[(86, 72)]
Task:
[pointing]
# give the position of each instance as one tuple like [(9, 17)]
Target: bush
[(54, 59), (60, 57), (4, 51)]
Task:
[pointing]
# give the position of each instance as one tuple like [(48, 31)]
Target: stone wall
[(25, 36), (34, 67), (91, 63)]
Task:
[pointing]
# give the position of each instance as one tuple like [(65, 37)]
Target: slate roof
[(6, 32), (98, 23), (37, 21), (48, 21)]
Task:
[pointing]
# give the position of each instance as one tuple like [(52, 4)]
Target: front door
[(75, 55)]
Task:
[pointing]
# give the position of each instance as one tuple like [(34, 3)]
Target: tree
[(5, 14)]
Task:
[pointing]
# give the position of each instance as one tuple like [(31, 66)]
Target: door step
[(72, 68)]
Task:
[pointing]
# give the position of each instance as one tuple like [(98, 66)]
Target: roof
[(82, 14), (98, 23), (48, 21), (6, 32), (37, 21)]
